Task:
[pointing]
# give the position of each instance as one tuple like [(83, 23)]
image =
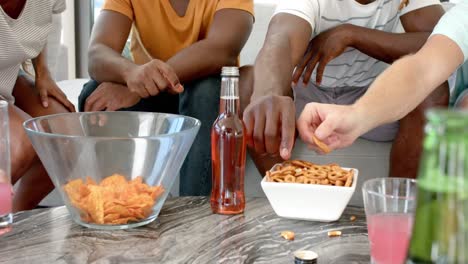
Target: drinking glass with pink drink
[(6, 193), (390, 204)]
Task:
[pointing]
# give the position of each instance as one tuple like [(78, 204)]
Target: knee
[(462, 101), (87, 90), (201, 97), (22, 155)]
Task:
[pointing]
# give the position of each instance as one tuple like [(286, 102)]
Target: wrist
[(364, 122), (258, 94), (42, 73), (127, 71), (351, 33)]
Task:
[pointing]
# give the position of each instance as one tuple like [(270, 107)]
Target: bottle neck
[(230, 102)]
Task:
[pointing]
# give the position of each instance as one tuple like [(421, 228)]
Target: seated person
[(24, 28), (172, 43), (344, 46), (388, 96)]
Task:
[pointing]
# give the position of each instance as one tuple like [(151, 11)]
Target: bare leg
[(35, 183), (263, 162), (407, 147)]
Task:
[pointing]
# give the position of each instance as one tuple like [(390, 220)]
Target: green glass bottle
[(440, 230)]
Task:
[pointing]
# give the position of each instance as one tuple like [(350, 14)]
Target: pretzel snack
[(304, 172)]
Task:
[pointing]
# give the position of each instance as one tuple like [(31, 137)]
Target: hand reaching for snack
[(337, 126), (270, 123)]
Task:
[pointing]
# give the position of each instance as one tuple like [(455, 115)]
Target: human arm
[(45, 85), (270, 116), (106, 64), (381, 45), (397, 91), (227, 36)]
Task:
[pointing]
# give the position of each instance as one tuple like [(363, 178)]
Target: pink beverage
[(228, 149), (6, 196), (389, 236)]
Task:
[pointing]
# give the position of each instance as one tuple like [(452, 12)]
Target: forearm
[(273, 68), (201, 59), (40, 64), (107, 65), (404, 85), (385, 46), (394, 93)]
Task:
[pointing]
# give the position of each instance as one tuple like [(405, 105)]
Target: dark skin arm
[(226, 38), (384, 46), (228, 33), (389, 47), (110, 33), (270, 117), (45, 84)]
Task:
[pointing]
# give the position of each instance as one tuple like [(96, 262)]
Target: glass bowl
[(142, 151)]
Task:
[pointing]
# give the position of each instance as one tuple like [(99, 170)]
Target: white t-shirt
[(24, 38), (352, 68), (454, 25)]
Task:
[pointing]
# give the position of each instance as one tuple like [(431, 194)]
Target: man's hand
[(270, 123), (321, 50), (111, 97), (46, 87), (152, 78), (338, 126)]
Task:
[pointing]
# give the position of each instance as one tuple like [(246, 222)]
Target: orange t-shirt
[(162, 31)]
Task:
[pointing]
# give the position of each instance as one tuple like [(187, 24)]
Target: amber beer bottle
[(440, 230), (228, 149)]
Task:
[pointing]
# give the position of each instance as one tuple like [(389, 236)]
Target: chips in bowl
[(114, 201)]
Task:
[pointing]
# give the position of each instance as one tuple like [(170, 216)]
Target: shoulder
[(47, 6)]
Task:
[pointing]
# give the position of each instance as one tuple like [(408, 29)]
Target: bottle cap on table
[(305, 257)]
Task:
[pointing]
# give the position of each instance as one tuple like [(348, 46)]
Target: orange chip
[(96, 204), (118, 209), (124, 220), (139, 213), (114, 180), (72, 189), (156, 191), (109, 218), (90, 181), (114, 200), (137, 180)]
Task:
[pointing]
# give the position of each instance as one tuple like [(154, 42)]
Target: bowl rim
[(352, 187), (52, 135)]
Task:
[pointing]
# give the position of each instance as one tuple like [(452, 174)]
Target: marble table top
[(185, 232)]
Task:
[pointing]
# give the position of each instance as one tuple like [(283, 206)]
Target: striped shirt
[(24, 38), (352, 68)]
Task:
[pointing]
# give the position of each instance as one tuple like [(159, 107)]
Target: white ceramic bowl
[(311, 202)]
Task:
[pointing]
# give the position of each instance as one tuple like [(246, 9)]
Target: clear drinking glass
[(6, 192), (390, 204)]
